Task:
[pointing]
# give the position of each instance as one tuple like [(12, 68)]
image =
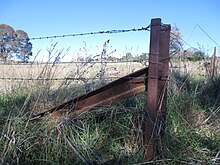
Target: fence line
[(72, 62), (26, 78), (57, 79), (94, 33)]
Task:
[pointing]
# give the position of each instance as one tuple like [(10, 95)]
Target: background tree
[(176, 42), (14, 44), (143, 57)]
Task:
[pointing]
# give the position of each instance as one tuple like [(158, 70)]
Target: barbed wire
[(47, 79), (75, 62), (74, 78), (63, 79), (93, 33)]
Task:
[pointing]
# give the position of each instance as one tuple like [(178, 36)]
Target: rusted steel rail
[(121, 88)]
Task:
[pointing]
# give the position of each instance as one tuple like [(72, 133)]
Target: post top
[(155, 21)]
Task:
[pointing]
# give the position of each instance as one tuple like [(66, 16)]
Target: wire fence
[(21, 76), (68, 71), (78, 76), (72, 62), (93, 33), (56, 79)]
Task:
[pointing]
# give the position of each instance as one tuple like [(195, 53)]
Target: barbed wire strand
[(74, 78), (72, 62), (63, 79), (93, 33)]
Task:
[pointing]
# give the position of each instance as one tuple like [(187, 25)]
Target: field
[(26, 74), (108, 135)]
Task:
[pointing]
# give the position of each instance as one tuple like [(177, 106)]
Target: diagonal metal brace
[(121, 88)]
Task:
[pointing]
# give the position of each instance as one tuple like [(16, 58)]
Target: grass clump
[(193, 124), (102, 137)]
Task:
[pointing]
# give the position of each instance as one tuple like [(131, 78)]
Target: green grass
[(109, 135), (189, 137)]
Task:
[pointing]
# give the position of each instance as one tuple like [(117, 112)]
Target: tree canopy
[(14, 44)]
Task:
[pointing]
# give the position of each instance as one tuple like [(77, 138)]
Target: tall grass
[(111, 134)]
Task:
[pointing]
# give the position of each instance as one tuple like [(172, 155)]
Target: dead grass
[(40, 73)]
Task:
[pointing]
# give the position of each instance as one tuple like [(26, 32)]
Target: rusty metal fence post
[(152, 89), (156, 89), (164, 59), (213, 64)]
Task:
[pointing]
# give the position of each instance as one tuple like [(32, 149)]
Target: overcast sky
[(57, 17)]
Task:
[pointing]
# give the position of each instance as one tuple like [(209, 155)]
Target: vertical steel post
[(213, 68), (152, 89), (157, 86), (164, 59), (217, 62)]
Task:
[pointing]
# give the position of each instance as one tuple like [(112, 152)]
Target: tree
[(14, 44), (128, 56), (143, 57), (176, 42)]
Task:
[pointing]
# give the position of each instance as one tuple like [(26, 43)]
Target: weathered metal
[(152, 89), (163, 74), (157, 86), (213, 64), (123, 87)]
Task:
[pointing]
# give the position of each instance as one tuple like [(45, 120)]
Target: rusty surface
[(157, 86), (213, 64), (163, 75), (152, 89), (123, 87)]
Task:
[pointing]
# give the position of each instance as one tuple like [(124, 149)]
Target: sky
[(59, 17)]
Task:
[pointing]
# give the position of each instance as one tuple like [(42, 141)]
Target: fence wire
[(63, 79), (94, 33), (52, 79), (71, 62), (73, 35)]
